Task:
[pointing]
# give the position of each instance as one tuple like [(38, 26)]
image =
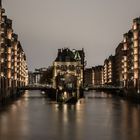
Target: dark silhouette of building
[(88, 73)]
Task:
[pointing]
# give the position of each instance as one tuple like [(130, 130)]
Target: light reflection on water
[(97, 116)]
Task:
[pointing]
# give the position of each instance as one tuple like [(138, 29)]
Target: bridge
[(35, 87), (47, 87), (105, 88)]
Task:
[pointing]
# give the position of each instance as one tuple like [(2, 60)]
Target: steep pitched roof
[(65, 55)]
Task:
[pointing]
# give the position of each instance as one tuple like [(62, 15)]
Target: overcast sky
[(44, 26)]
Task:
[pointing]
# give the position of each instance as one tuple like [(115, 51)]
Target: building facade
[(13, 66), (68, 70), (98, 75), (109, 70), (131, 61), (123, 69), (88, 77), (119, 55), (34, 77)]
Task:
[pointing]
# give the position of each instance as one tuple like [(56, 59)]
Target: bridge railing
[(35, 86), (107, 87)]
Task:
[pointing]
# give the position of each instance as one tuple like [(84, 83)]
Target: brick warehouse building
[(13, 66)]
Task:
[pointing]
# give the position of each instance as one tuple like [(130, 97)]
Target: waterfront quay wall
[(9, 94), (130, 93)]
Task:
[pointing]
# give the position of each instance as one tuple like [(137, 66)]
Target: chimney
[(59, 50)]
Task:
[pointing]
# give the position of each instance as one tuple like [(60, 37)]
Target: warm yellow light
[(135, 65), (9, 58), (135, 75), (125, 70), (9, 65), (135, 26), (135, 43), (125, 47), (10, 35), (135, 51), (9, 74), (124, 40), (125, 58), (125, 64), (2, 60), (135, 57), (15, 53), (2, 74), (125, 77), (9, 50), (135, 35)]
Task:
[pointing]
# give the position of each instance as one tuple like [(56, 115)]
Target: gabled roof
[(65, 55)]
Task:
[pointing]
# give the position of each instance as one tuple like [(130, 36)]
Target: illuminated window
[(135, 26), (9, 74), (135, 75), (135, 43), (10, 35), (125, 64), (125, 58), (124, 40), (135, 57), (9, 58), (125, 70), (125, 77), (125, 46), (2, 60), (135, 35), (135, 65), (9, 65), (2, 74), (9, 50), (135, 51)]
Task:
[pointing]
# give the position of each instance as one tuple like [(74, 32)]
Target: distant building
[(98, 75), (35, 76), (119, 55), (88, 77), (109, 70), (136, 52), (68, 69), (31, 78), (106, 71)]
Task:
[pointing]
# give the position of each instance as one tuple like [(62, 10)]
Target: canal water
[(98, 116)]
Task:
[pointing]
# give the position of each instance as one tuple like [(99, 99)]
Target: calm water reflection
[(97, 117)]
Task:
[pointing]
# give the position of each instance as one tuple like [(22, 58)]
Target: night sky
[(44, 26)]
